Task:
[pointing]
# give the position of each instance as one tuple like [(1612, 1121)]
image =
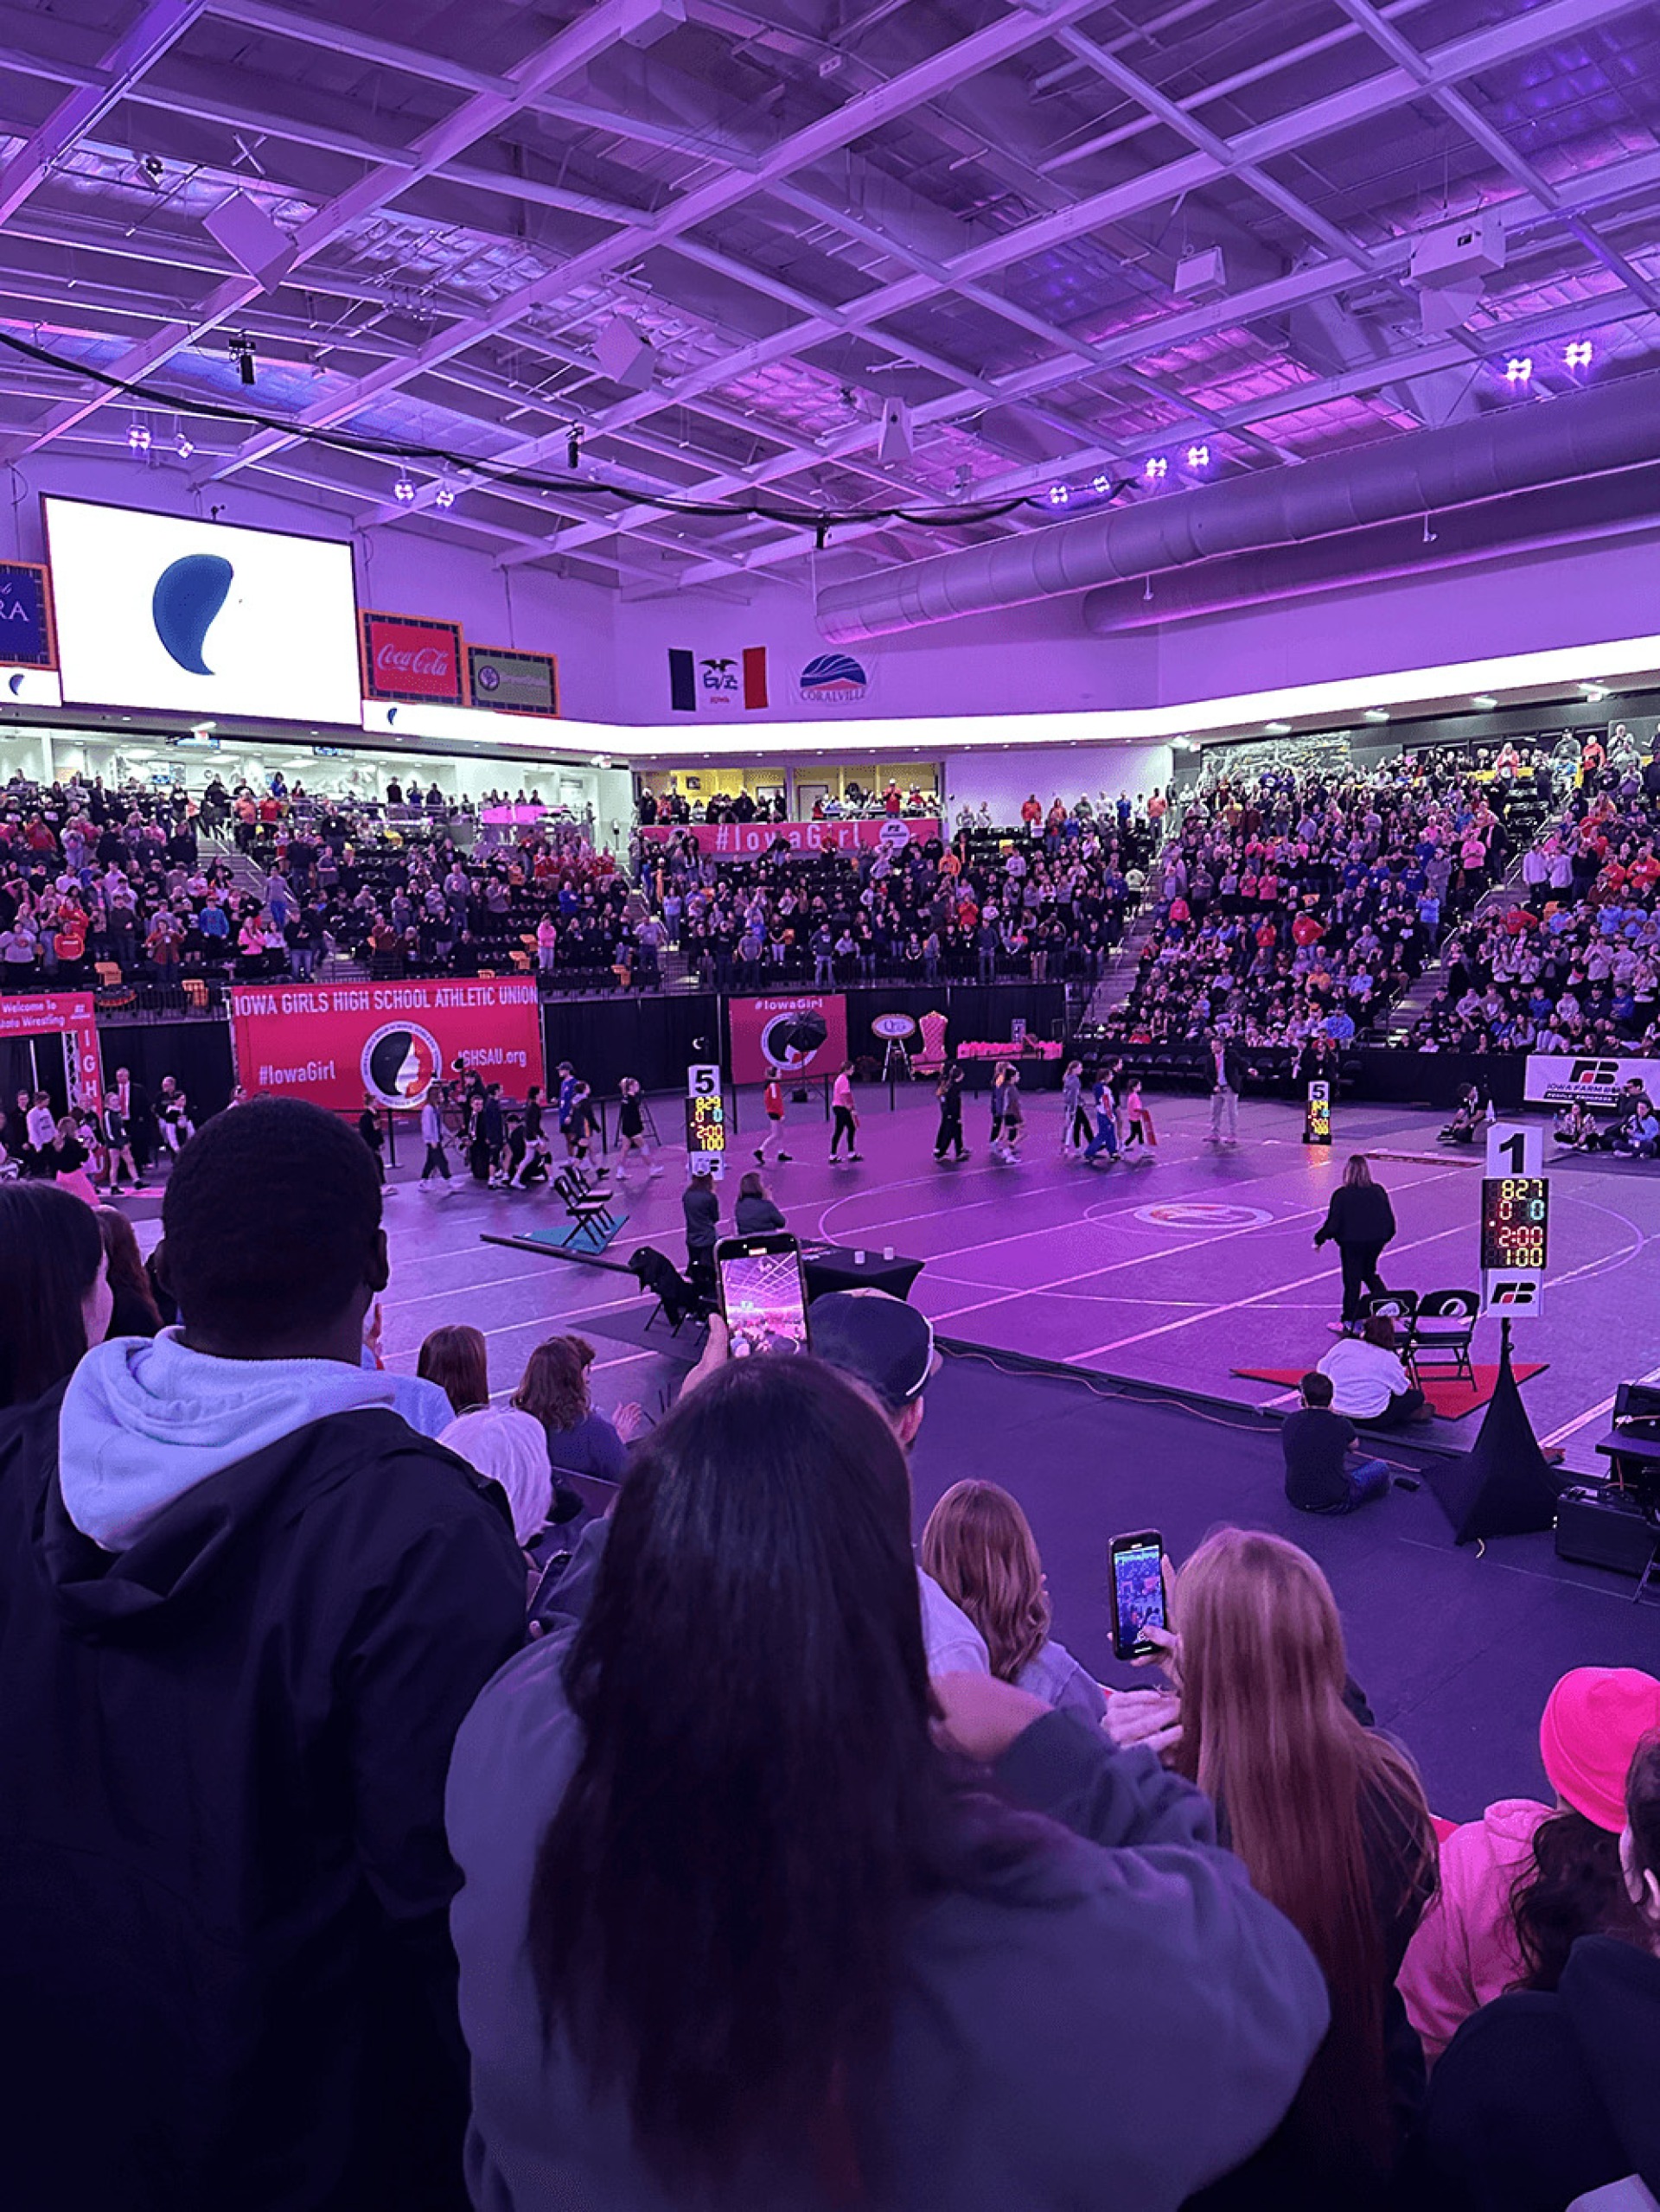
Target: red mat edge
[(1524, 1370)]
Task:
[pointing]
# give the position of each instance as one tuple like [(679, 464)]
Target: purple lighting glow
[(1578, 353), (1198, 457), (1058, 495), (1518, 370), (1156, 468)]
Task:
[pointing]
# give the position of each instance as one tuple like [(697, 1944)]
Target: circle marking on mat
[(1197, 1214)]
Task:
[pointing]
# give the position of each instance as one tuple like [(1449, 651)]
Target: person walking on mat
[(948, 1092), (847, 1119), (1360, 1221), (1227, 1080), (772, 1103)]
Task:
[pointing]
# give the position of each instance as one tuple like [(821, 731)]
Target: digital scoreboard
[(706, 1124), (1317, 1114), (1515, 1243)]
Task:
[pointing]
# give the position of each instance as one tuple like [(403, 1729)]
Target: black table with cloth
[(833, 1267)]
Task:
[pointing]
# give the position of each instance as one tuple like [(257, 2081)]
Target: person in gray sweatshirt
[(741, 1924)]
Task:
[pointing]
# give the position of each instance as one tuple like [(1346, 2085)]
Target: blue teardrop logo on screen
[(392, 715), (188, 594), (17, 684)]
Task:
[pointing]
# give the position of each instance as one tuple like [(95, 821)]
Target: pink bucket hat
[(1594, 1721)]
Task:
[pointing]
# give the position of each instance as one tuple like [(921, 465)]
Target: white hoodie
[(143, 1421)]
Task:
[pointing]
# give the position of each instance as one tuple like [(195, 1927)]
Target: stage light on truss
[(183, 447), (404, 492), (1103, 483), (1198, 457), (1058, 495), (1157, 468), (138, 440), (444, 494), (1518, 371), (1578, 353)]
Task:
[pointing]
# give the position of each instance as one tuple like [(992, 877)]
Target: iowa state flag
[(712, 683)]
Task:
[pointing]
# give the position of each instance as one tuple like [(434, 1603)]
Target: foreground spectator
[(54, 1289), (1330, 1819), (578, 1440), (979, 1546), (1542, 2097), (133, 1309), (1520, 1885), (736, 1929), (457, 1358), (242, 1608)]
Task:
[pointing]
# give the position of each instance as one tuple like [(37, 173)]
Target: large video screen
[(202, 618)]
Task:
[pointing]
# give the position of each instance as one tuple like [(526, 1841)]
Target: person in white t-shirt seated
[(1369, 1386)]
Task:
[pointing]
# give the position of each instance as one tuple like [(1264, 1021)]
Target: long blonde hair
[(1297, 1781), (979, 1547)]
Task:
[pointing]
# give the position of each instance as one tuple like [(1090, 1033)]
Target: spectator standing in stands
[(979, 1546), (1542, 2097), (1360, 1221), (1331, 1821), (948, 1092), (245, 1608), (660, 2045), (1227, 1081), (54, 1292), (843, 1113)]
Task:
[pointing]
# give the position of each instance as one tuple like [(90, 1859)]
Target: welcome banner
[(335, 1042), (68, 1014), (748, 840)]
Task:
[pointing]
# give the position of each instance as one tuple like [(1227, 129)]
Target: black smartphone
[(762, 1293), (1136, 1564)]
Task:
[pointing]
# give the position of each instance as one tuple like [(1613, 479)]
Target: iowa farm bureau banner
[(746, 840), (334, 1042)]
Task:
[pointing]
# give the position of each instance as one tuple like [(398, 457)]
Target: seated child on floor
[(1325, 1472)]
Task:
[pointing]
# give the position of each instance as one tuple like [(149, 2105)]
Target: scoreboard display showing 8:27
[(1514, 1223)]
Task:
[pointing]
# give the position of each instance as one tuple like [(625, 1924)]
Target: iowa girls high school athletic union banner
[(747, 840), (332, 1042)]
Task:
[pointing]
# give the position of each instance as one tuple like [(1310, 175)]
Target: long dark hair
[(554, 1386), (1571, 1885), (457, 1358), (50, 1253), (717, 1904), (136, 1313)]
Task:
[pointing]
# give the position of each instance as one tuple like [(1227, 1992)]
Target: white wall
[(1003, 779)]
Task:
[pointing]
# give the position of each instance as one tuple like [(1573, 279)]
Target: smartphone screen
[(762, 1294), (1138, 1593)]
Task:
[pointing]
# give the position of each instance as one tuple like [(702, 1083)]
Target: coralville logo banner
[(334, 1042), (718, 683), (410, 657)]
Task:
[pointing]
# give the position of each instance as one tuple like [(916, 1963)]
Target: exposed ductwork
[(1582, 513), (1519, 448)]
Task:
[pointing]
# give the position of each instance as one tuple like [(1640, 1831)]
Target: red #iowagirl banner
[(408, 657), (330, 1042), (798, 1033), (748, 840), (70, 1014)]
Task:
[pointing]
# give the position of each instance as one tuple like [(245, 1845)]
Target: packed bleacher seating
[(330, 1697), (1045, 899), (1289, 910)]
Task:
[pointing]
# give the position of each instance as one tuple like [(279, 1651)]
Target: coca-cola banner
[(412, 657), (333, 1043), (748, 840)]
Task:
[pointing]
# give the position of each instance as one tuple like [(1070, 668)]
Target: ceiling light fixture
[(1518, 370), (1058, 495), (1578, 353), (1198, 457), (242, 353), (184, 449), (404, 492), (444, 494), (138, 440), (1156, 468)]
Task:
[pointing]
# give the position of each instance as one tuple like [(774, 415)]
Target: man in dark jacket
[(243, 1609), (1227, 1081)]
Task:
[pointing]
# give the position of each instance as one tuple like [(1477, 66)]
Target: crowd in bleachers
[(410, 1800), (1042, 900), (1292, 909), (1570, 961)]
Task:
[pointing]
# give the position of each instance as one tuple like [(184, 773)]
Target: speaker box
[(1598, 1526), (257, 244)]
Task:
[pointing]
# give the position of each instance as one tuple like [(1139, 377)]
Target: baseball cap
[(877, 1339), (1594, 1721)]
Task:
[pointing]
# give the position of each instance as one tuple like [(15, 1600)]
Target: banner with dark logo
[(512, 682), (26, 638), (799, 1033), (333, 1043), (748, 840), (410, 657), (1592, 1079)]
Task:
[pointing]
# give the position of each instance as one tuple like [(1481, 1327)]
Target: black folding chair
[(596, 1224), (1443, 1330)]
